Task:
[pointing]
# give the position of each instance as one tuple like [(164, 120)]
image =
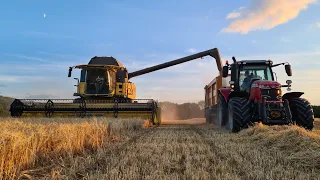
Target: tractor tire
[(247, 114), (222, 111), (302, 113), (239, 116)]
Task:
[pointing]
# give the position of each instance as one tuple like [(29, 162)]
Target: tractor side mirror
[(288, 69), (225, 71), (70, 70)]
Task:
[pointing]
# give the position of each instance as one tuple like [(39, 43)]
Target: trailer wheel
[(210, 114), (302, 113), (222, 111), (238, 114)]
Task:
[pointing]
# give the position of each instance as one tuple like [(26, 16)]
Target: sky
[(39, 40)]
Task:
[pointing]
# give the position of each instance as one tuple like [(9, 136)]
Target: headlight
[(278, 91)]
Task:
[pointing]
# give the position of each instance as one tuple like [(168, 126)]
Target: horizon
[(41, 40)]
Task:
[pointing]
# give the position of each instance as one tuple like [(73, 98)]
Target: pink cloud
[(265, 14)]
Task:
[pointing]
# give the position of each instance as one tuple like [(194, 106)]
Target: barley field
[(99, 148)]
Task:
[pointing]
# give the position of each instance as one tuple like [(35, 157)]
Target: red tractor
[(253, 95)]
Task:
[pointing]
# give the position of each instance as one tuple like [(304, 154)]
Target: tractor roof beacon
[(254, 95)]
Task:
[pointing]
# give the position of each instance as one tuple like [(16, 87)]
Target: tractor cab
[(250, 72), (246, 73)]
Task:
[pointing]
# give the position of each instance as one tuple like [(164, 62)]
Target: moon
[(44, 15)]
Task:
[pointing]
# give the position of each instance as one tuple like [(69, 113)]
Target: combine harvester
[(103, 89), (251, 94)]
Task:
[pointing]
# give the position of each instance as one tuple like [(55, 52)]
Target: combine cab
[(252, 95), (103, 89)]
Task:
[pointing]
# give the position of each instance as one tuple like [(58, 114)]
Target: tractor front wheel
[(302, 113), (238, 114)]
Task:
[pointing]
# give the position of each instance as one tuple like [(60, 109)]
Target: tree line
[(174, 111), (316, 110), (5, 105)]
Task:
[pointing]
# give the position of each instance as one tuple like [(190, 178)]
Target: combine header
[(103, 89), (251, 94)]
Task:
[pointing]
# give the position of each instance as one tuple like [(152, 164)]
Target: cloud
[(233, 15), (47, 62), (29, 79), (29, 58), (1, 85), (69, 57), (265, 14), (313, 27), (192, 50), (38, 34)]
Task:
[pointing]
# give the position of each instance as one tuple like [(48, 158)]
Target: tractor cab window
[(97, 81), (249, 72)]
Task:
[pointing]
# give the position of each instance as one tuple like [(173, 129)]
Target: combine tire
[(238, 114), (302, 113), (222, 111)]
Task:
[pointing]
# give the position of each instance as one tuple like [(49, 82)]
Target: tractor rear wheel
[(222, 111), (238, 114), (302, 113)]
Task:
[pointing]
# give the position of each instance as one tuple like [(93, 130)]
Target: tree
[(169, 110), (201, 104), (316, 110), (173, 111)]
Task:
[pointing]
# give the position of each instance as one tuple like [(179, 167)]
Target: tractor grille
[(275, 111), (270, 93), (274, 105)]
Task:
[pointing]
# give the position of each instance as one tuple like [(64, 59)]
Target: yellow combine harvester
[(103, 89)]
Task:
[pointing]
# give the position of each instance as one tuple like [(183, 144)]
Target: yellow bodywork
[(82, 87), (126, 89), (122, 89)]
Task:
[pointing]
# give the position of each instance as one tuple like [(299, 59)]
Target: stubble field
[(128, 149)]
